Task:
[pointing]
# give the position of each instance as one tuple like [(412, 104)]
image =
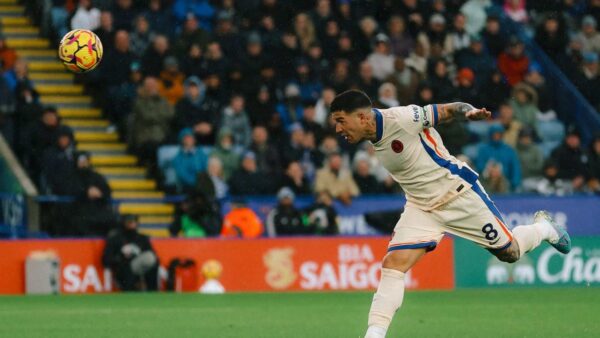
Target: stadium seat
[(471, 151), (551, 131), (165, 156)]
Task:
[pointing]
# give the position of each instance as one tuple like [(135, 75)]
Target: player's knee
[(508, 256), (398, 260)]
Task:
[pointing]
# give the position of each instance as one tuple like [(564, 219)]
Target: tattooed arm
[(461, 111)]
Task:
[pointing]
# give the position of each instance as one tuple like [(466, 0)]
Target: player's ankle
[(375, 332)]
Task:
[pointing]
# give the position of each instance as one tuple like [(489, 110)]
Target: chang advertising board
[(543, 267)]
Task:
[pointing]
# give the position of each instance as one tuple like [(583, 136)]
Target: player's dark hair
[(350, 100)]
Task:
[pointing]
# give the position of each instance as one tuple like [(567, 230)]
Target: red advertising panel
[(342, 263)]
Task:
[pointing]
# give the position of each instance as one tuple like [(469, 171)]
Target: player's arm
[(460, 111)]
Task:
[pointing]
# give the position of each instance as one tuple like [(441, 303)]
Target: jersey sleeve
[(414, 118)]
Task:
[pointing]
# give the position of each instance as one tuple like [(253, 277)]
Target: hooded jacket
[(501, 153)]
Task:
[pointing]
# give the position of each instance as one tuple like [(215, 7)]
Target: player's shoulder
[(403, 113)]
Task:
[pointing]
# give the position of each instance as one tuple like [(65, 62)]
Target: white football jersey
[(413, 152)]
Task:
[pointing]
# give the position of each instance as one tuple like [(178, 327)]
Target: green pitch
[(465, 313)]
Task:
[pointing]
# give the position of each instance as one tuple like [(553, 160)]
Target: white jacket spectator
[(86, 16), (474, 11), (381, 60)]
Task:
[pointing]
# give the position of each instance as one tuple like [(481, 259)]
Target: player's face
[(349, 126)]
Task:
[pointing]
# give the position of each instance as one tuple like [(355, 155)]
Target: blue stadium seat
[(480, 129), (165, 156), (551, 131), (471, 150)]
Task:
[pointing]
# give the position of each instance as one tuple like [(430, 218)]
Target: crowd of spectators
[(243, 88)]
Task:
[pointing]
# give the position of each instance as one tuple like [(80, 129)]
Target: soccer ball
[(211, 269), (80, 50)]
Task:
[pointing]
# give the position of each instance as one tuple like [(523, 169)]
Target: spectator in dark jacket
[(572, 159), (92, 211), (247, 180), (58, 163), (268, 161), (296, 180), (191, 112), (130, 257), (124, 14), (322, 215), (285, 219), (199, 217), (154, 57), (366, 182)]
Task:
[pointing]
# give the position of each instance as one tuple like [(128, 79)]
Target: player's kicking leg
[(390, 291), (529, 237)]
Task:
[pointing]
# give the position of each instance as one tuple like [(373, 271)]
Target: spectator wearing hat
[(253, 59), (535, 78), (513, 62), (227, 35), (386, 96), (590, 79), (248, 180), (589, 35), (381, 60), (572, 159), (8, 55), (92, 213), (335, 180), (477, 59), (171, 81), (285, 219), (290, 110), (436, 34), (141, 36), (190, 112), (516, 11), (58, 161), (524, 103), (496, 150), (236, 119), (153, 60), (466, 90), (130, 257), (189, 161), (530, 155)]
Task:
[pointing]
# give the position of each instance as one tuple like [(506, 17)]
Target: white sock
[(386, 301), (529, 237)]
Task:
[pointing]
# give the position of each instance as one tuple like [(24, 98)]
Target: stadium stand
[(224, 69)]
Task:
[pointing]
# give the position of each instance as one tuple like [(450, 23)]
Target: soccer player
[(443, 194)]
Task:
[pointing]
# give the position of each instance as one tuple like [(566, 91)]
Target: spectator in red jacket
[(513, 62)]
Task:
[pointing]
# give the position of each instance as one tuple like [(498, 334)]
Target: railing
[(569, 103)]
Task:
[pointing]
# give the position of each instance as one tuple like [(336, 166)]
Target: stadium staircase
[(132, 191)]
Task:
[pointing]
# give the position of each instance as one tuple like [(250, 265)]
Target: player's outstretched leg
[(544, 228), (390, 292)]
